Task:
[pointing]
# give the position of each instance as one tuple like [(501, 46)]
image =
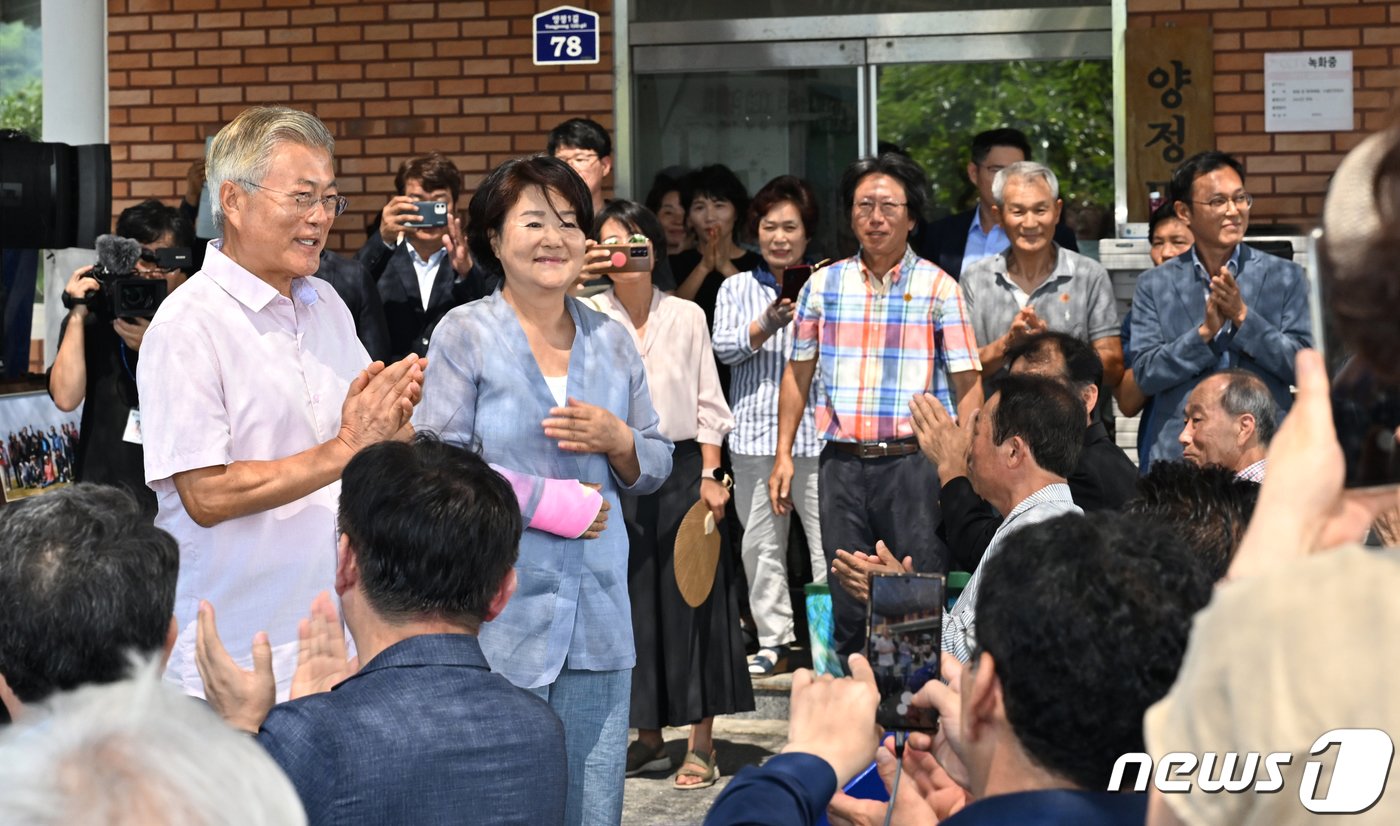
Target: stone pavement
[(740, 741)]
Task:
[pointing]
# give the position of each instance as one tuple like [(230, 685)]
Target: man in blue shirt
[(424, 732), (1223, 304)]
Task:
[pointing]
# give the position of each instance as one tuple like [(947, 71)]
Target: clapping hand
[(321, 654), (853, 569), (1225, 294), (1025, 324), (242, 698), (942, 441), (379, 404)]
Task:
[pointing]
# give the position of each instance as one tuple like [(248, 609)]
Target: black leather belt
[(878, 450)]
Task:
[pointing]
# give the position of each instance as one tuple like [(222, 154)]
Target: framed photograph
[(38, 443)]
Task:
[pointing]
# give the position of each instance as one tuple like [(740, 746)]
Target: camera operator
[(97, 357)]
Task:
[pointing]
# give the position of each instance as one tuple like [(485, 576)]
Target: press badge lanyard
[(133, 420)]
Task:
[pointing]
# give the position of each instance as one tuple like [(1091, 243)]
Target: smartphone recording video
[(430, 214), (631, 256), (794, 278), (1365, 399), (903, 645)]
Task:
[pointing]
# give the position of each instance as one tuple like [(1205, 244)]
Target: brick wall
[(1288, 172), (391, 80)]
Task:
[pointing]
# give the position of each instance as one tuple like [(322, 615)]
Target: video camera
[(123, 292)]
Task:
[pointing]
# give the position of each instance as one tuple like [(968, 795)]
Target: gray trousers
[(766, 538)]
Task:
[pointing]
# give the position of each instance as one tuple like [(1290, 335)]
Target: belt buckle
[(884, 448)]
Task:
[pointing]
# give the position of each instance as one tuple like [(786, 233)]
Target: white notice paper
[(1307, 92)]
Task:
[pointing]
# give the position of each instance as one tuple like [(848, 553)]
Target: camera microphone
[(117, 255)]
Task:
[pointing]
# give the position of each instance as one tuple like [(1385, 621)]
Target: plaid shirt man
[(878, 341)]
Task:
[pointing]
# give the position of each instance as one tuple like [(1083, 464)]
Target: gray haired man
[(256, 392), (1230, 419), (134, 752), (1036, 285)]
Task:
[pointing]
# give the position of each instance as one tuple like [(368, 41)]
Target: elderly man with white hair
[(256, 392), (1035, 284), (136, 752), (1230, 419)]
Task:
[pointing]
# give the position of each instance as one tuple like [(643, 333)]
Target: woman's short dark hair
[(909, 174), (717, 182), (661, 185), (498, 193), (638, 218), (784, 188)]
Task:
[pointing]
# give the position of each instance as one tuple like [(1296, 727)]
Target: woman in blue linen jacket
[(543, 385)]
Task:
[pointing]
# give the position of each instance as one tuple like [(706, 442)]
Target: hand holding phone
[(904, 643)]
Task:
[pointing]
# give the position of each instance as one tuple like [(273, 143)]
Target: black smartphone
[(1365, 400), (904, 639), (793, 280), (430, 214)]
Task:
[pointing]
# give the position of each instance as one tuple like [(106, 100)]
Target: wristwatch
[(717, 474)]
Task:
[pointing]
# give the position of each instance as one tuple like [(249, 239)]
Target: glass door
[(1065, 107), (760, 123)]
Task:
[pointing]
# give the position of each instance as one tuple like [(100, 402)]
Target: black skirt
[(690, 661)]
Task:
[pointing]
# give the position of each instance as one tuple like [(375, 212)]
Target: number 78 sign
[(566, 35)]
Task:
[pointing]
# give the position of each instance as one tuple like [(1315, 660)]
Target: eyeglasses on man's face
[(305, 201), (1241, 200), (578, 160), (889, 209)]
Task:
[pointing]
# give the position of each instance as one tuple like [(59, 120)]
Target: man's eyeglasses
[(581, 160), (305, 201), (889, 209), (1242, 201)]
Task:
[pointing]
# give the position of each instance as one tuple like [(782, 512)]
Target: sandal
[(708, 770), (641, 759), (768, 661)]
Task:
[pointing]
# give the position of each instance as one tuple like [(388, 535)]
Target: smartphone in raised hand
[(903, 643), (1365, 397), (794, 278)]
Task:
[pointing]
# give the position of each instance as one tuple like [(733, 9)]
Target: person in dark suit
[(422, 272), (958, 240), (424, 733), (1221, 304), (353, 283), (1103, 477)]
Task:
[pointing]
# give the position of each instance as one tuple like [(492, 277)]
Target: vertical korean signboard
[(1171, 107), (566, 35)]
